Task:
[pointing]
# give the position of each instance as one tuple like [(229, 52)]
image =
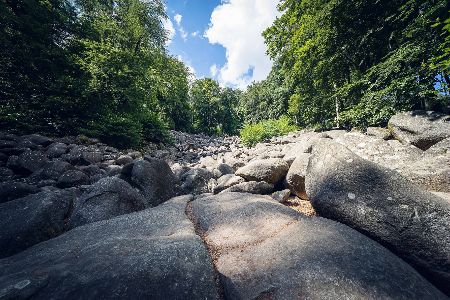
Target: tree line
[(100, 68)]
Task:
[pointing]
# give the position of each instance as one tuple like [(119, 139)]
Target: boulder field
[(309, 215)]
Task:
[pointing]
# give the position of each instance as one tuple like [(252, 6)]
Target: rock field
[(309, 215)]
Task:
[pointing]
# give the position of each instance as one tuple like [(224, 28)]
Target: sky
[(221, 39)]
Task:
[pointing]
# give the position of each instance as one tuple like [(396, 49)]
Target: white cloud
[(195, 34), (183, 33), (168, 26), (237, 25), (214, 70), (178, 19)]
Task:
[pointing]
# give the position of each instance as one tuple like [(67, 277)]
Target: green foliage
[(263, 100), (214, 108), (252, 134), (340, 58), (95, 67)]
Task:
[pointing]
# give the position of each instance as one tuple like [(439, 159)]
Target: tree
[(345, 60)]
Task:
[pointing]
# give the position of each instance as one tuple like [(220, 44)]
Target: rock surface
[(154, 178), (107, 198), (419, 128), (270, 170), (252, 187), (27, 221), (383, 205), (153, 254), (265, 250), (295, 178)]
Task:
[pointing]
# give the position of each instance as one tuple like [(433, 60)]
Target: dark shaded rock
[(56, 150), (383, 205), (3, 157), (13, 151), (6, 174), (420, 128), (154, 178), (13, 190), (79, 155), (7, 144), (38, 139), (114, 170), (265, 250), (225, 169), (107, 198), (72, 178), (197, 181), (52, 170), (252, 187), (295, 178), (123, 160), (270, 170), (153, 254), (33, 219), (227, 181), (31, 161), (92, 170)]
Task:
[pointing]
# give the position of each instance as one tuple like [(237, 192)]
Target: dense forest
[(100, 68)]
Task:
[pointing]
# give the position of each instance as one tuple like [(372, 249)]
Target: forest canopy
[(100, 68)]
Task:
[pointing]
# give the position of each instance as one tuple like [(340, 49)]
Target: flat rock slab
[(264, 250), (152, 254), (385, 206)]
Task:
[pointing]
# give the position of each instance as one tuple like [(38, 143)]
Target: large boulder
[(72, 178), (295, 178), (154, 178), (152, 254), (197, 181), (29, 162), (13, 190), (52, 170), (27, 221), (271, 170), (107, 198), (264, 250), (37, 139), (420, 128), (252, 187), (55, 150), (384, 205), (227, 181)]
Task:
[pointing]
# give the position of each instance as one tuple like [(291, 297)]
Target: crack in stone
[(213, 252)]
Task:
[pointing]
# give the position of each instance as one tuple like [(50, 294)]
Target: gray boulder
[(265, 250), (152, 254), (295, 178), (381, 133), (55, 150), (72, 178), (30, 161), (271, 170), (123, 160), (37, 139), (252, 187), (385, 206), (107, 198), (154, 178), (13, 190), (281, 196), (27, 221), (227, 181), (225, 169), (52, 170), (197, 181), (420, 128)]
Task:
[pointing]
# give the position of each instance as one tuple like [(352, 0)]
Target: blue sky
[(221, 38)]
